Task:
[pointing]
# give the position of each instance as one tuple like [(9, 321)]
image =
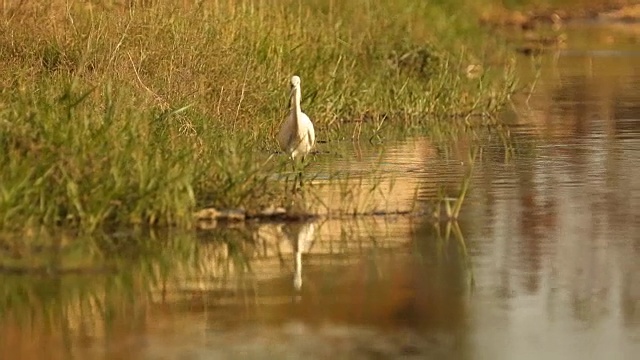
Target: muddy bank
[(533, 18), (539, 30)]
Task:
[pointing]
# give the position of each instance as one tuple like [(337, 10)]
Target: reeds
[(140, 112)]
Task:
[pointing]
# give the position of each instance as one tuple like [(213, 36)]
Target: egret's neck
[(297, 277), (296, 103)]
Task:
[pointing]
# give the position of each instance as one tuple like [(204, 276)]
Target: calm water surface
[(542, 264)]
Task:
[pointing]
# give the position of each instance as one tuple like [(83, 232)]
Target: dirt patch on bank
[(539, 29), (612, 11)]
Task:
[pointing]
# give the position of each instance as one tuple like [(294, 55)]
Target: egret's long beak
[(293, 89)]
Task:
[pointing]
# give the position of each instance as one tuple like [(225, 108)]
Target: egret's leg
[(286, 181), (294, 168), (300, 169), (287, 177)]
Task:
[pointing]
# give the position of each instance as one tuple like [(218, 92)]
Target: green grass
[(140, 114)]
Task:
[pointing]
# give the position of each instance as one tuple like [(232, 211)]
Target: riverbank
[(143, 113)]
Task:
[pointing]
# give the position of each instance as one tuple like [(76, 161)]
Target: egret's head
[(295, 87), (295, 82)]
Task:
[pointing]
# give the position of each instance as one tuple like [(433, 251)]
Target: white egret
[(297, 136)]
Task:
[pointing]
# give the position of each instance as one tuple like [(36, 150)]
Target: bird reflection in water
[(301, 235)]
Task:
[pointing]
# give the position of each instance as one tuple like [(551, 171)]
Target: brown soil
[(620, 11), (533, 40)]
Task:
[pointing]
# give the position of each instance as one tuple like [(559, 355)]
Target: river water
[(542, 263)]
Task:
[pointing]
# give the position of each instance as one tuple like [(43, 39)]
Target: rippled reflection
[(541, 264)]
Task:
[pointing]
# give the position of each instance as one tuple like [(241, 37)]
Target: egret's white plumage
[(297, 136)]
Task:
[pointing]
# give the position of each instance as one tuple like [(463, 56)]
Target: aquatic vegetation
[(453, 204), (141, 113)]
